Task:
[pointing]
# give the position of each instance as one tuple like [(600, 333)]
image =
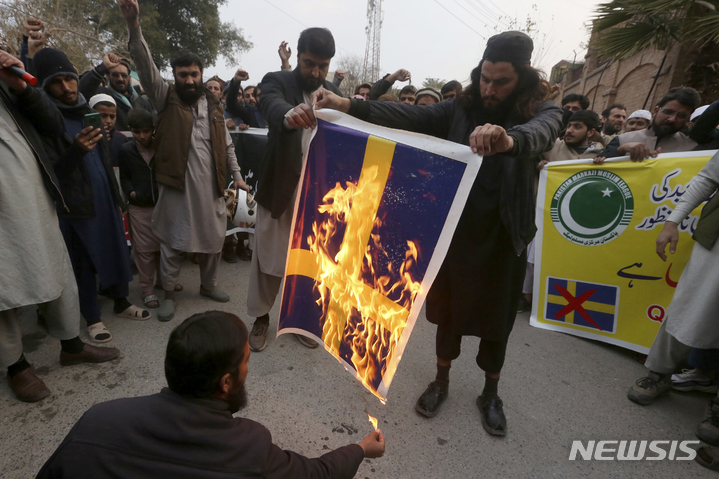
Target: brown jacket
[(174, 130), (669, 143)]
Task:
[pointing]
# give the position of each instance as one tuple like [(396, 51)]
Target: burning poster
[(375, 214)]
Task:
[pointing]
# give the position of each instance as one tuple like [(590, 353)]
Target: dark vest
[(173, 134)]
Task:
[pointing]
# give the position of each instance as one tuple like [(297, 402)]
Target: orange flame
[(372, 420), (354, 296)]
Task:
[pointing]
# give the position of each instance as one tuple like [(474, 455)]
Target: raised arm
[(155, 87), (234, 107), (385, 83), (34, 104)]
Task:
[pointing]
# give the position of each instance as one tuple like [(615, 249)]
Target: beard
[(610, 129), (310, 84), (576, 142), (237, 398), (663, 129), (123, 90), (187, 96), (496, 112)]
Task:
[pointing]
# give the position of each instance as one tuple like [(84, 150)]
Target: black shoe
[(493, 419), (432, 398), (244, 253), (228, 254)]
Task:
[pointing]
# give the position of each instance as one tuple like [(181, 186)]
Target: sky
[(430, 38)]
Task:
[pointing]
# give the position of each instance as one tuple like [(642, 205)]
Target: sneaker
[(695, 380), (647, 389), (258, 335), (708, 429)]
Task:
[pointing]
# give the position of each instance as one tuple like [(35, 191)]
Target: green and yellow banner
[(597, 274)]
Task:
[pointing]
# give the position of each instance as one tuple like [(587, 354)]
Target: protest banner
[(597, 274), (375, 214)]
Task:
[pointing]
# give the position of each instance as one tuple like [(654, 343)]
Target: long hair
[(531, 91)]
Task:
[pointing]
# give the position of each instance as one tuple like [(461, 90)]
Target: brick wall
[(627, 81)]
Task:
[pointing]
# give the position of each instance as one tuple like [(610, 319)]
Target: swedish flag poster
[(596, 273), (375, 212)]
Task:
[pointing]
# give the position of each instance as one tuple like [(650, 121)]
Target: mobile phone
[(93, 120)]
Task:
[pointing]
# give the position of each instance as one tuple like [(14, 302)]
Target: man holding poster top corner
[(503, 115)]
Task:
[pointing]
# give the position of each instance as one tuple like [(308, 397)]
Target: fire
[(363, 310), (372, 420)]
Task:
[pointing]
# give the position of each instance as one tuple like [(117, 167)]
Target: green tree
[(435, 83), (627, 27), (87, 29)]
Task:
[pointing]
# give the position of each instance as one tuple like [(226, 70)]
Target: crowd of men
[(70, 180)]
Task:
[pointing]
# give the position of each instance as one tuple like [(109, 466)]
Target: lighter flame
[(372, 420), (353, 294)]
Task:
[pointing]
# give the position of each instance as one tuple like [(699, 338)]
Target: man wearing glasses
[(664, 133), (126, 97)]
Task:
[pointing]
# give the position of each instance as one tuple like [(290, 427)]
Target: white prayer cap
[(698, 112), (641, 114), (101, 97)]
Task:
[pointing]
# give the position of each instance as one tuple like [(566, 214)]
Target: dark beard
[(188, 97), (309, 85), (494, 114), (610, 130), (663, 130), (237, 398), (123, 92)]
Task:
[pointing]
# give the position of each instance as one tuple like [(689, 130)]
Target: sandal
[(707, 457), (178, 287), (98, 333), (151, 301), (136, 313)]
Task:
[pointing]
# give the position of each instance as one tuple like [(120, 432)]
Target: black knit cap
[(512, 47), (50, 62)]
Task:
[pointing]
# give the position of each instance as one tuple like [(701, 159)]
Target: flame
[(361, 307), (372, 420)]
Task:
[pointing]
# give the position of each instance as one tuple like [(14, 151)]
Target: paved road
[(556, 388)]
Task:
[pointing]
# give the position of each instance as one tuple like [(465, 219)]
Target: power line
[(293, 18), (463, 23), (488, 12), (486, 20)]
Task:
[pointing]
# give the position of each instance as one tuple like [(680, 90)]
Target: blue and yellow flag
[(375, 212), (597, 274)]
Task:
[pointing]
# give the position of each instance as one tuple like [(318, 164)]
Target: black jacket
[(68, 160), (136, 175), (282, 163), (89, 85), (235, 108), (169, 436), (36, 114), (448, 120), (704, 130)]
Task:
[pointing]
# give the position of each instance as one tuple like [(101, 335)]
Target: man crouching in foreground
[(187, 430)]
